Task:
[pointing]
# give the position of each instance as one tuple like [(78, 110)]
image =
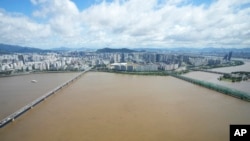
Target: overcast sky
[(125, 23)]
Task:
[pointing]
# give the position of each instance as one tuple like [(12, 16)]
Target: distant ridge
[(189, 49), (5, 48), (237, 52), (112, 50), (63, 49)]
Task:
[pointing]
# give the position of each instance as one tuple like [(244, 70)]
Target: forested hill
[(5, 48)]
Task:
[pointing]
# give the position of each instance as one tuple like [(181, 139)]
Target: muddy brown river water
[(116, 107)]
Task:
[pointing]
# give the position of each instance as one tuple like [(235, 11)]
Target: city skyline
[(125, 23)]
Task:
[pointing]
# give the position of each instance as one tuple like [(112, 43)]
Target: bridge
[(29, 106), (209, 71)]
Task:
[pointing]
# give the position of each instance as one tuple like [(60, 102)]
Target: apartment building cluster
[(39, 62), (145, 61), (135, 61)]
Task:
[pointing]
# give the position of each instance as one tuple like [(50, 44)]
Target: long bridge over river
[(29, 106)]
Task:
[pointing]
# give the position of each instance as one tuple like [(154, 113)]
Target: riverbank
[(155, 73), (14, 74), (35, 72)]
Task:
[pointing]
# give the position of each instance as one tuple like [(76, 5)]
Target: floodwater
[(213, 78), (17, 91), (244, 67), (116, 107)]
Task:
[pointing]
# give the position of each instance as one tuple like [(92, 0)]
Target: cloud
[(62, 16), (170, 24), (131, 23), (18, 29)]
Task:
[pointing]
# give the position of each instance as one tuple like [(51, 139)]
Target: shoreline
[(15, 74), (40, 72)]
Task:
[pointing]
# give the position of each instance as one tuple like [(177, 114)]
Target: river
[(244, 67), (17, 91), (117, 107)]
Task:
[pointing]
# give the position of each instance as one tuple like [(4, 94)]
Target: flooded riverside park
[(213, 78)]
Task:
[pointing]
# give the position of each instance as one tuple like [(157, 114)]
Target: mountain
[(63, 49), (193, 50), (112, 50), (5, 48)]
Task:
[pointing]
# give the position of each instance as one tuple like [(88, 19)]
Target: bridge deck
[(210, 71)]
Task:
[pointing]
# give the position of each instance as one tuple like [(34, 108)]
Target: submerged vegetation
[(237, 76), (234, 77)]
